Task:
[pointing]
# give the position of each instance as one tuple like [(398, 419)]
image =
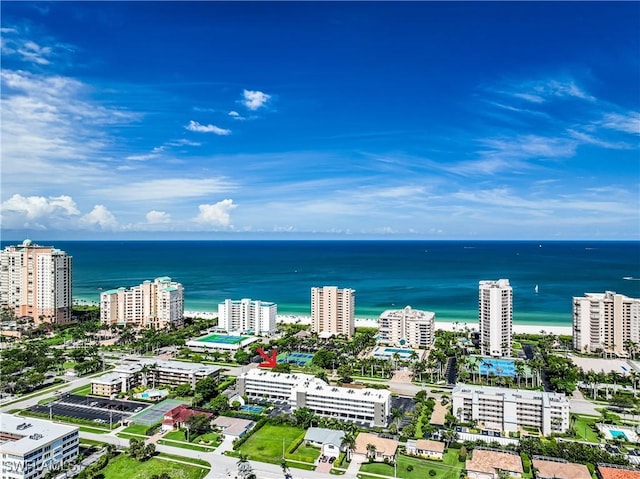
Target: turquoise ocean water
[(440, 276)]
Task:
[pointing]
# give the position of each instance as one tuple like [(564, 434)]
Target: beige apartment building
[(407, 327), (502, 409), (153, 304), (36, 282), (495, 317), (333, 311), (606, 321)]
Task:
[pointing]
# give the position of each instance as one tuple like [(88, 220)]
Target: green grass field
[(135, 429), (124, 467), (266, 444), (82, 390), (583, 426), (305, 454), (450, 468)]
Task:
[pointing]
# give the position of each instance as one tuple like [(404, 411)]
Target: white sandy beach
[(443, 325)]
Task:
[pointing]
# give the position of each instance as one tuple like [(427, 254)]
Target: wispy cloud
[(168, 189), (195, 126), (544, 90), (254, 99), (627, 122)]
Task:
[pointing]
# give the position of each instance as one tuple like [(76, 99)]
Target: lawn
[(583, 427), (266, 444), (421, 467), (305, 454), (82, 390), (136, 429), (213, 437), (124, 467)]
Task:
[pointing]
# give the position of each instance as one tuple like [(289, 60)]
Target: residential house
[(328, 440), (554, 468), (488, 463), (371, 446), (177, 417), (426, 448)]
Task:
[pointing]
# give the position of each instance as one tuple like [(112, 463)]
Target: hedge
[(241, 440), (294, 445)]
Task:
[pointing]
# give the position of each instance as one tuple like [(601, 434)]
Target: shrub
[(294, 445), (432, 472), (526, 463), (409, 468)]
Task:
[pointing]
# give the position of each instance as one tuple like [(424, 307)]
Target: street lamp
[(50, 413)]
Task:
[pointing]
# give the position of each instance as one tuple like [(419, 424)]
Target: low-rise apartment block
[(152, 373), (153, 304), (248, 316), (365, 406), (509, 410), (30, 448), (407, 327)]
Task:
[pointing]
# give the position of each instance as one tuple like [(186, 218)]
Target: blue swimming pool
[(498, 367), (618, 435), (252, 408)]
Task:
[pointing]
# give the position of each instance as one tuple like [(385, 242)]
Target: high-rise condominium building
[(495, 317), (245, 315), (606, 321), (407, 327), (36, 281), (333, 310), (157, 304)]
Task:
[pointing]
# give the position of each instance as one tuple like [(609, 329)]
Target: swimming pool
[(252, 408), (618, 434), (497, 367), (384, 352)]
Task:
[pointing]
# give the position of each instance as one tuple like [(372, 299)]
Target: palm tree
[(284, 466), (245, 470), (371, 451), (519, 367)]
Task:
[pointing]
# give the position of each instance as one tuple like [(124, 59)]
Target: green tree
[(304, 417), (219, 404), (324, 359), (198, 424), (207, 388)]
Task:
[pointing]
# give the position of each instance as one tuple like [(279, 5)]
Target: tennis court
[(301, 359), (155, 413), (222, 339)]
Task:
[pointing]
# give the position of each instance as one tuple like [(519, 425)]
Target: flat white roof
[(509, 394), (35, 433)]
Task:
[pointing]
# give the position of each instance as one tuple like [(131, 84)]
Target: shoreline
[(441, 325)]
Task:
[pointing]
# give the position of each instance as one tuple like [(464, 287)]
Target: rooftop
[(31, 433), (386, 447), (551, 469), (233, 426), (324, 436), (609, 471), (427, 445), (490, 461)]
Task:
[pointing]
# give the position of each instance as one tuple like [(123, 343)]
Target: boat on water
[(536, 288)]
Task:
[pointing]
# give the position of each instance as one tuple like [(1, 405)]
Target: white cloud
[(628, 123), (254, 99), (195, 126), (158, 217), (100, 216), (592, 140), (37, 207), (168, 189), (217, 214)]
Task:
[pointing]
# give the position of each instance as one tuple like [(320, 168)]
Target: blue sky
[(358, 120)]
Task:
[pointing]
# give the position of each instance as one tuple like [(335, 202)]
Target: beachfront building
[(247, 316), (333, 311), (367, 406), (607, 322), (150, 372), (407, 327), (495, 317), (30, 448), (509, 410), (153, 304), (35, 282)]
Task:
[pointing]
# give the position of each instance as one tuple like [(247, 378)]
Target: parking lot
[(88, 408)]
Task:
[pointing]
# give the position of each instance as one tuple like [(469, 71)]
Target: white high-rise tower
[(495, 317)]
